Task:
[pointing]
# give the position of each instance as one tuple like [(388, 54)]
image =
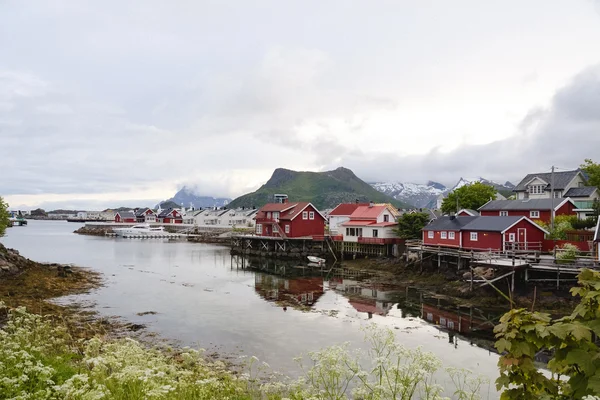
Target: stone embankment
[(99, 230), (11, 262)]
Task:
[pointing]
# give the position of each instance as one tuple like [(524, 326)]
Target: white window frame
[(375, 233), (451, 235), (474, 236), (305, 215), (287, 229), (259, 229), (311, 215), (430, 234), (275, 229), (536, 189), (444, 235), (503, 213), (534, 214), (511, 237), (386, 218)]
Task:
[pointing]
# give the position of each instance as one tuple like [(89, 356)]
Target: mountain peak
[(188, 197)]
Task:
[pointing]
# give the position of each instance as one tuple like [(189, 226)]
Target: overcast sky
[(107, 103)]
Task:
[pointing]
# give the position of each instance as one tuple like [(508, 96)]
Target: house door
[(522, 237)]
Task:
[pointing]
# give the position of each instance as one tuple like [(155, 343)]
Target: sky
[(113, 103)]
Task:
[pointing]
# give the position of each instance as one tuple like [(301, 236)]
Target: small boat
[(17, 221), (316, 260), (144, 230)]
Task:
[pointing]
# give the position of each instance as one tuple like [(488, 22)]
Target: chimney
[(371, 204), (356, 201), (285, 201)]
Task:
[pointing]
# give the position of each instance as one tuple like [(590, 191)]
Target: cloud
[(562, 134)]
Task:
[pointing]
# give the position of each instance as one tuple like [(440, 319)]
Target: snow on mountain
[(419, 195), (425, 195)]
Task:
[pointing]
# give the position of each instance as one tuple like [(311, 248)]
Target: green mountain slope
[(323, 189)]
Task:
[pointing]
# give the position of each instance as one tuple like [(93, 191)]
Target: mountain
[(415, 194), (323, 189), (425, 195), (504, 189), (187, 197)]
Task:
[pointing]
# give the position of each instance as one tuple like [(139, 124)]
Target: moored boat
[(316, 260), (140, 230)]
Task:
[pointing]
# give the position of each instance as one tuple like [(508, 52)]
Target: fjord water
[(203, 298)]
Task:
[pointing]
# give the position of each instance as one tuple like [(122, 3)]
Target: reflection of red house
[(125, 217), (170, 216), (305, 291), (370, 306), (453, 321), (289, 220)]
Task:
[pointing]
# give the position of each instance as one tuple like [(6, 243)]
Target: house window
[(473, 236), (536, 189), (386, 218), (511, 237), (375, 233), (287, 229), (451, 235), (259, 229), (451, 325), (534, 214), (504, 213), (275, 228), (305, 215), (430, 234), (557, 194), (429, 317), (276, 215), (442, 321), (444, 235), (311, 215)]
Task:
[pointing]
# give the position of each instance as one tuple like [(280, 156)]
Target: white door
[(522, 237)]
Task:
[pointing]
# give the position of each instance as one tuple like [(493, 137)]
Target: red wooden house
[(485, 233), (289, 220), (170, 216), (125, 217), (535, 209)]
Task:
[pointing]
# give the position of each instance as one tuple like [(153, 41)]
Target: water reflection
[(290, 283)]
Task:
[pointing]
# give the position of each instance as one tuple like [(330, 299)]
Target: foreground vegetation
[(39, 359)]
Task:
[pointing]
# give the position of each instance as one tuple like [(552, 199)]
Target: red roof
[(287, 211), (385, 224), (366, 212), (346, 209), (357, 223), (276, 206)]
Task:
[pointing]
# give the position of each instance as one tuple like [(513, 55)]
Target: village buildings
[(535, 209), (371, 224), (566, 184), (496, 233), (340, 215), (289, 220)]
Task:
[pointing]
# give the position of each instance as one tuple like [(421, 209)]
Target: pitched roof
[(469, 211), (141, 211), (585, 191), (277, 207), (367, 212), (126, 214), (478, 223), (345, 209), (524, 205), (561, 179), (165, 213), (446, 223)]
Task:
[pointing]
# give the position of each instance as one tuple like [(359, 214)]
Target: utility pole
[(552, 197)]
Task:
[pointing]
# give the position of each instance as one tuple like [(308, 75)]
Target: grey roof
[(561, 179), (527, 204), (446, 223), (473, 212), (126, 214), (479, 223), (492, 224), (140, 212), (585, 191), (166, 212)]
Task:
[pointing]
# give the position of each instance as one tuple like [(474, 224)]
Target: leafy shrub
[(567, 253)]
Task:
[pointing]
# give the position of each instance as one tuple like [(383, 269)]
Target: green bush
[(567, 253)]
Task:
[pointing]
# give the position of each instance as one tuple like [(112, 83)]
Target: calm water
[(204, 298)]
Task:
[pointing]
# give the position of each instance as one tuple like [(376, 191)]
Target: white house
[(566, 184), (371, 224), (224, 218), (340, 215)]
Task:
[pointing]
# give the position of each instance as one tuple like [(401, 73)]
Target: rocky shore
[(94, 230)]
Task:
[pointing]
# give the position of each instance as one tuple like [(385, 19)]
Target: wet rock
[(141, 314), (135, 327)]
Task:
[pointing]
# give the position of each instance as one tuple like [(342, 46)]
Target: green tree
[(592, 169), (411, 225), (4, 216), (575, 364), (469, 196)]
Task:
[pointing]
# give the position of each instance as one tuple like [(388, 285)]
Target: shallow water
[(203, 297)]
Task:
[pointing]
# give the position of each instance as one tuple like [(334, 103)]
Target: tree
[(411, 225), (4, 216), (575, 363), (470, 196), (592, 169)]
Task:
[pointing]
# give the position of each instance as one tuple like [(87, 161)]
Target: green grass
[(323, 189)]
